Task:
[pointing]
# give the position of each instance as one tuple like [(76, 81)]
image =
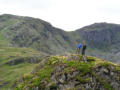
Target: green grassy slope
[(9, 73)]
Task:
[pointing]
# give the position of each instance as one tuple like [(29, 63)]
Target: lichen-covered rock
[(72, 74)]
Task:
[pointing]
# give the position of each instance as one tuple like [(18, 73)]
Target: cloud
[(65, 14)]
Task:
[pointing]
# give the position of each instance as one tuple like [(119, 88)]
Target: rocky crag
[(71, 73)]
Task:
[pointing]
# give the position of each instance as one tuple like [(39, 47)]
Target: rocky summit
[(70, 72)]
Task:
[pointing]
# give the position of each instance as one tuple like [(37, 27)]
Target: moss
[(117, 68), (69, 69), (19, 87), (103, 82), (53, 60), (83, 67), (72, 89), (42, 75), (90, 58), (107, 86), (106, 64), (82, 80)]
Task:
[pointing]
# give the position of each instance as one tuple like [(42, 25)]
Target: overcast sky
[(65, 14)]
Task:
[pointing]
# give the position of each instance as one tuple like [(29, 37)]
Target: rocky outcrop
[(26, 60), (70, 74), (23, 60), (89, 81)]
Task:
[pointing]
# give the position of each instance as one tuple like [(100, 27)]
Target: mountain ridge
[(42, 36)]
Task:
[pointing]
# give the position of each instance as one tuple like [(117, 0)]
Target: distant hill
[(102, 39), (101, 35), (35, 33)]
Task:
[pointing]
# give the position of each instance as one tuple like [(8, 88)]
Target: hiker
[(78, 47), (83, 51)]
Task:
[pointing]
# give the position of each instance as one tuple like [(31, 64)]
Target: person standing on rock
[(83, 51), (79, 46)]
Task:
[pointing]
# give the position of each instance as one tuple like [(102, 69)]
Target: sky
[(68, 15)]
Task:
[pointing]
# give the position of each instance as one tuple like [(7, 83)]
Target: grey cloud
[(29, 4)]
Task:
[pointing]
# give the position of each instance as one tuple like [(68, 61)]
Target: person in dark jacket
[(83, 51)]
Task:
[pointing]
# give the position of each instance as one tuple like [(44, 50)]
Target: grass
[(82, 80), (9, 74), (103, 82), (43, 74)]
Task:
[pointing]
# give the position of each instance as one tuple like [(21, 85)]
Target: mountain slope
[(35, 33), (15, 62), (71, 73), (101, 35), (102, 39)]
